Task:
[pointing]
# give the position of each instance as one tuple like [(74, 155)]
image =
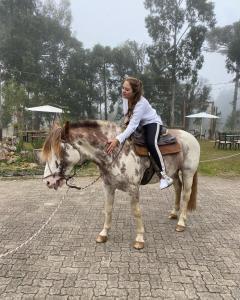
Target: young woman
[(140, 112)]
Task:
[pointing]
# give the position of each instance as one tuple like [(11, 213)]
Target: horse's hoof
[(180, 228), (138, 245), (172, 216), (101, 238)]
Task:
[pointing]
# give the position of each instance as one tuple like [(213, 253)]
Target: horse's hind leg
[(103, 235), (136, 211), (187, 189), (178, 188)]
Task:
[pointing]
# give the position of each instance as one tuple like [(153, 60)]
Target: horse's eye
[(57, 164)]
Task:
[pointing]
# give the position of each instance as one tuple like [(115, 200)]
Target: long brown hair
[(137, 88)]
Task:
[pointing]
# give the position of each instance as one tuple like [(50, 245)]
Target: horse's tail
[(193, 197)]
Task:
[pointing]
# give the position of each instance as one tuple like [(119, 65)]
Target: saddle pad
[(165, 149)]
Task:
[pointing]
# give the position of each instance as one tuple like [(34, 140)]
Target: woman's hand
[(112, 144)]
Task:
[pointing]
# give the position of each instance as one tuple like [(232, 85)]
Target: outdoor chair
[(236, 142), (224, 141)]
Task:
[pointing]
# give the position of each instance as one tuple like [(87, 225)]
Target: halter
[(69, 177)]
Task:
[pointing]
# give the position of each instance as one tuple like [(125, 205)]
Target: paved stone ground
[(64, 262)]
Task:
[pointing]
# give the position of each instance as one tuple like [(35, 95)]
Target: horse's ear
[(66, 130)]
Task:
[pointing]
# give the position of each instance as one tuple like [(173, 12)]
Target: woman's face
[(127, 91)]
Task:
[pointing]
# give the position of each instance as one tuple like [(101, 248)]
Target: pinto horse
[(86, 140)]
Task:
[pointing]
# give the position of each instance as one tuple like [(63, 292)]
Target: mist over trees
[(178, 29), (43, 63), (226, 40)]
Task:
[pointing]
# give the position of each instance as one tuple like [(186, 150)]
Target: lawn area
[(226, 167)]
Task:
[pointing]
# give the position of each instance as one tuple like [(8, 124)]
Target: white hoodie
[(143, 114)]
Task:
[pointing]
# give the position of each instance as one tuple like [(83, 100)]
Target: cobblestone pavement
[(64, 262)]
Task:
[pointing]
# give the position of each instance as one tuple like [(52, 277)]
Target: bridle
[(62, 168)]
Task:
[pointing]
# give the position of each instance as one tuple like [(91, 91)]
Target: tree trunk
[(105, 91), (234, 110), (172, 118), (184, 115), (172, 115), (214, 123), (1, 105)]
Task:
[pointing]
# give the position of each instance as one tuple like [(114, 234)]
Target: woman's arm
[(137, 116), (138, 113)]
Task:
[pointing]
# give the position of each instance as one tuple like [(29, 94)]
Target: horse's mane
[(86, 123), (53, 140)]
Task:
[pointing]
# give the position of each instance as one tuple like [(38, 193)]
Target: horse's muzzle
[(54, 182)]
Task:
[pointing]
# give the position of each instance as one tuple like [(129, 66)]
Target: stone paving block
[(55, 289), (235, 291), (71, 291), (42, 293), (190, 291), (116, 292), (228, 297), (133, 294), (217, 288), (27, 289), (28, 297), (209, 296), (13, 285)]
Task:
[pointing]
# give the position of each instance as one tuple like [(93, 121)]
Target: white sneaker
[(165, 181)]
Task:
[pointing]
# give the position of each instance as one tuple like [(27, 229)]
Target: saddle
[(167, 145), (166, 142)]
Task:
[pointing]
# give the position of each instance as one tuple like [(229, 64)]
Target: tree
[(226, 40), (15, 101), (101, 61), (178, 29), (35, 46), (79, 83), (15, 17)]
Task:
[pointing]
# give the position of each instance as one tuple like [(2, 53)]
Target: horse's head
[(60, 155)]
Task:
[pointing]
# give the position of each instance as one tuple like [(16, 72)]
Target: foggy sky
[(112, 22)]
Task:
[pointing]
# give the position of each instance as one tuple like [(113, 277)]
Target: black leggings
[(151, 132)]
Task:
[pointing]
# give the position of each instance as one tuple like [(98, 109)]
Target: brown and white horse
[(75, 143)]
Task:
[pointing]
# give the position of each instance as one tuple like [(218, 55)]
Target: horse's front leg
[(103, 235), (136, 211)]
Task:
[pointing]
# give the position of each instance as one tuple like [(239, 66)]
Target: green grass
[(23, 167), (228, 167), (225, 167)]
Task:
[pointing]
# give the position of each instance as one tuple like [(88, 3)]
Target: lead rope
[(39, 230)]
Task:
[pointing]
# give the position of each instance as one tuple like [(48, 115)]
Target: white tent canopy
[(202, 115), (46, 108)]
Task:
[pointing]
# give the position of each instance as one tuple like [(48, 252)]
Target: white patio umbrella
[(202, 115), (46, 108)]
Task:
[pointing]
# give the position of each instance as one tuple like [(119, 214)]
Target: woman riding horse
[(140, 112)]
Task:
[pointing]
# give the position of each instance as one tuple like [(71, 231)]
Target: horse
[(76, 143)]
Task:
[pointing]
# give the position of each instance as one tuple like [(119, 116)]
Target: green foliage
[(226, 40), (15, 100)]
